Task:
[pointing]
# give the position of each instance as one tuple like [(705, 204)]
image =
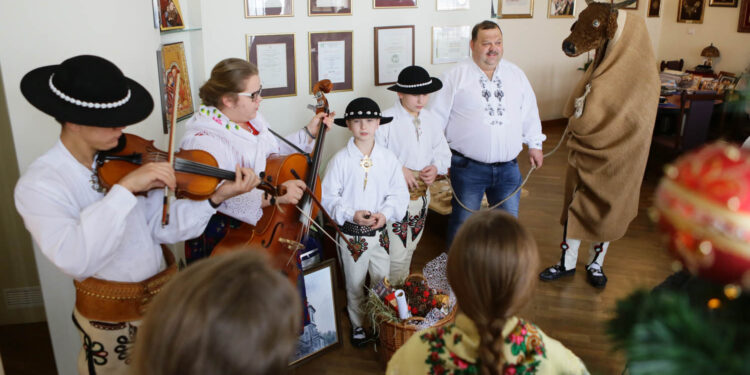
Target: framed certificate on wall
[(329, 8), (450, 43), (394, 51), (331, 58), (515, 8), (394, 3), (273, 54), (269, 8)]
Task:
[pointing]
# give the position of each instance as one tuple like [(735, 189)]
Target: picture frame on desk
[(331, 58), (743, 25), (691, 11), (394, 51), (274, 56), (170, 15), (323, 333), (394, 4), (515, 8), (450, 44), (329, 8), (654, 8), (171, 62), (723, 3), (269, 8)]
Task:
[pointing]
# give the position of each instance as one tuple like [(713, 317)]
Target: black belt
[(359, 230), (496, 164)]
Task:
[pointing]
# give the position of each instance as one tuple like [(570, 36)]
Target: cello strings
[(320, 228)]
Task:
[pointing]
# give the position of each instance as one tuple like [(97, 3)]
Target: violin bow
[(170, 152)]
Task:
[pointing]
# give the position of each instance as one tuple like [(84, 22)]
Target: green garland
[(673, 331)]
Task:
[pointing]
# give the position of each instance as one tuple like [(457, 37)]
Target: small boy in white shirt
[(362, 189), (416, 138)]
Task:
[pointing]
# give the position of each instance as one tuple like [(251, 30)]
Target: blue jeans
[(471, 180)]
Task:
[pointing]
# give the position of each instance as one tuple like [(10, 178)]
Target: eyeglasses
[(254, 96)]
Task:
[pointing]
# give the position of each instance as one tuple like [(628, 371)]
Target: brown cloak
[(609, 143)]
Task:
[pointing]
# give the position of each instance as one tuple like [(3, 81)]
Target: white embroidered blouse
[(212, 131), (488, 120)]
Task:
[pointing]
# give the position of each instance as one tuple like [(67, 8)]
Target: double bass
[(282, 229)]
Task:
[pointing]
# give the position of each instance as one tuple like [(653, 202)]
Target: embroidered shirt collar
[(215, 115), (467, 346), (479, 70)]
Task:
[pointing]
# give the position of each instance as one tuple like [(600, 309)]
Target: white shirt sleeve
[(442, 102), (76, 241), (187, 218), (531, 124), (332, 189), (441, 156), (396, 201)]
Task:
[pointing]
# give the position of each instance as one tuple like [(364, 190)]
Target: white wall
[(44, 32), (686, 41)]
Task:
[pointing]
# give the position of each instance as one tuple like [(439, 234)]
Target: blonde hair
[(227, 78), (230, 314), (491, 268)]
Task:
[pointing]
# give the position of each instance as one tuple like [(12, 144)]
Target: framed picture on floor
[(691, 11), (323, 333), (561, 8), (450, 43), (744, 23), (329, 8), (723, 3), (515, 8), (170, 15), (172, 62), (654, 8), (394, 3), (269, 8), (394, 51), (452, 4), (331, 58), (273, 54)]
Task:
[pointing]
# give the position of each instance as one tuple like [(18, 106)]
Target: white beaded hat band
[(415, 80), (87, 90)]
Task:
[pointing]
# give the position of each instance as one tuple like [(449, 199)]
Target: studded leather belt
[(113, 301)]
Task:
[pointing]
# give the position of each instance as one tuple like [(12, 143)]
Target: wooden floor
[(569, 310)]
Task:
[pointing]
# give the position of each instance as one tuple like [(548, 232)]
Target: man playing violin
[(109, 242), (230, 127)]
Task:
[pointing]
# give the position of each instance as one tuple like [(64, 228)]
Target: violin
[(282, 230), (196, 171)]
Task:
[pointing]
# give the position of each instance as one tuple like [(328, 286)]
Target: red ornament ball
[(703, 205)]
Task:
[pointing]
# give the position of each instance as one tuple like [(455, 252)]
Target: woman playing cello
[(229, 127)]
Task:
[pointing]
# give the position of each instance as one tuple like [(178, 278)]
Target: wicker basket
[(395, 334)]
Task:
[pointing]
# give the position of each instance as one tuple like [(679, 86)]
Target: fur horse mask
[(595, 26)]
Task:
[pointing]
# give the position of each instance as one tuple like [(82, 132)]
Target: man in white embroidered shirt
[(488, 110)]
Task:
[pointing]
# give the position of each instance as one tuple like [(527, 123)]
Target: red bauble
[(703, 205)]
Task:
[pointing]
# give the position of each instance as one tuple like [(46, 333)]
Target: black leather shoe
[(596, 277), (555, 272), (359, 338)]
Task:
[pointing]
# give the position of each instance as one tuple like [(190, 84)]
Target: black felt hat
[(87, 90), (416, 81), (362, 108)]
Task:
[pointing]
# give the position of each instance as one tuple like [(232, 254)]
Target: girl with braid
[(491, 268)]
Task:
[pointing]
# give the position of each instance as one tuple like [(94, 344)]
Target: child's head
[(414, 86), (492, 269), (230, 314), (362, 117)]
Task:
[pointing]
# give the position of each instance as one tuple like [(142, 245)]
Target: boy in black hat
[(109, 242), (362, 189), (416, 138)]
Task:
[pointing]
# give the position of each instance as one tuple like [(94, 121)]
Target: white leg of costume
[(403, 237), (107, 346), (570, 256), (373, 259), (597, 258)]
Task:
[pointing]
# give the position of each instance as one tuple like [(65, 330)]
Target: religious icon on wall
[(170, 15), (173, 62), (654, 7), (691, 11)]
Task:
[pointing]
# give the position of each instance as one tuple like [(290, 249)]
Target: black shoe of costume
[(596, 277), (359, 338), (555, 272)]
